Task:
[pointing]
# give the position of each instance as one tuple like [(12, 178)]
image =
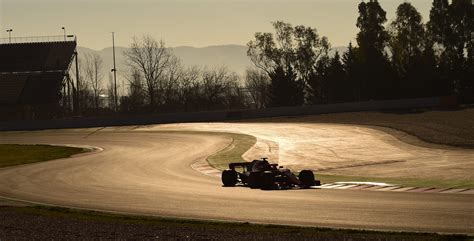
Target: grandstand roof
[(36, 56), (38, 39)]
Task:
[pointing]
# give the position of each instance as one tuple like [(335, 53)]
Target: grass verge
[(232, 153), (12, 154)]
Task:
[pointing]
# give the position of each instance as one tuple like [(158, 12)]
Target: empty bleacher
[(36, 56), (42, 88), (32, 75), (11, 87)]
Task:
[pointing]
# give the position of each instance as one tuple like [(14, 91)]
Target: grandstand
[(32, 75)]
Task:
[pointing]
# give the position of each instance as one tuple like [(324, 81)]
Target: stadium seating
[(32, 74), (42, 88), (11, 87), (36, 56)]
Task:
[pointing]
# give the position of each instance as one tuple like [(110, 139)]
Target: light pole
[(76, 99), (115, 72), (64, 31), (9, 31)]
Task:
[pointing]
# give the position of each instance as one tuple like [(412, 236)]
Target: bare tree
[(169, 86), (217, 86), (80, 86), (151, 59), (134, 101), (136, 86), (189, 87), (93, 71), (257, 82), (170, 83)]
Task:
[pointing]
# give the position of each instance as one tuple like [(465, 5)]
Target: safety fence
[(207, 116)]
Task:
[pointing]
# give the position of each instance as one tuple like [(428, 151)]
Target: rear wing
[(246, 165)]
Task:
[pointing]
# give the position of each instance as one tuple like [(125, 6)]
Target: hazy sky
[(183, 22)]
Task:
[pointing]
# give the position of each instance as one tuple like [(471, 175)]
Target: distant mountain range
[(234, 57)]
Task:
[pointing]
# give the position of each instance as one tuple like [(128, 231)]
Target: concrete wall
[(218, 115)]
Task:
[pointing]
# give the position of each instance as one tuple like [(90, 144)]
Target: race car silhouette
[(261, 174)]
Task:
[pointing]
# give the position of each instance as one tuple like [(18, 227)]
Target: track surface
[(147, 172), (345, 150)]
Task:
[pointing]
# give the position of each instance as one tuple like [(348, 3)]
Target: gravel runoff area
[(22, 222)]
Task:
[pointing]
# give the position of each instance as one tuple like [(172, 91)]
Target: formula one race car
[(261, 174)]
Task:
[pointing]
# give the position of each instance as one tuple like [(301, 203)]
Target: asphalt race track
[(344, 150), (148, 172)]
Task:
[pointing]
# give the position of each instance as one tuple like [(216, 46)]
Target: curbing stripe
[(468, 191), (334, 186), (203, 167), (359, 187), (346, 187), (421, 189), (455, 190), (404, 189), (388, 188)]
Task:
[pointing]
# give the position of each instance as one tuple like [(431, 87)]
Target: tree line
[(157, 82), (405, 58), (160, 83)]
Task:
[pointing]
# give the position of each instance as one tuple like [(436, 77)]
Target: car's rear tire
[(306, 178), (267, 180), (254, 180), (229, 178)]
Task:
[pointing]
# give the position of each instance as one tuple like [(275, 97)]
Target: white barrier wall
[(219, 115)]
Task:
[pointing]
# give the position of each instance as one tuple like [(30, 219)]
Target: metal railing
[(38, 39)]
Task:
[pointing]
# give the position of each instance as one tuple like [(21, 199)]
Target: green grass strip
[(12, 154), (232, 153)]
